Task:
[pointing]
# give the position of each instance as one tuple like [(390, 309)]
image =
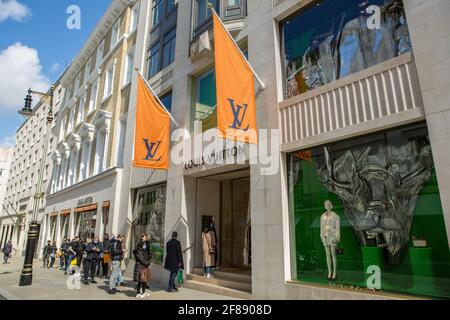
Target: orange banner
[(236, 107), (152, 139)]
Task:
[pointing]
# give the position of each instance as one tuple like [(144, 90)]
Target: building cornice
[(97, 35)]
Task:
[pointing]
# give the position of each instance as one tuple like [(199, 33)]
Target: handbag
[(73, 263), (144, 275), (339, 249), (180, 276)]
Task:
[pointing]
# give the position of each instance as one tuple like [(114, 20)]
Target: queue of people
[(105, 259)]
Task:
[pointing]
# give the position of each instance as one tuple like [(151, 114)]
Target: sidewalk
[(51, 285)]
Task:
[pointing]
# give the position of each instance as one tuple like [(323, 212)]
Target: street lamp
[(33, 231)]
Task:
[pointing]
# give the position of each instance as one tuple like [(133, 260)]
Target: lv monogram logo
[(152, 148), (238, 119)]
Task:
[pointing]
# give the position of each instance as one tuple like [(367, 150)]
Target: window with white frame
[(87, 70), (71, 119), (115, 33), (134, 18), (80, 115), (129, 66), (109, 81), (157, 11), (93, 99), (77, 81), (100, 50)]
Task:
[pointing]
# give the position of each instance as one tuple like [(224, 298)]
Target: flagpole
[(263, 86), (156, 96)]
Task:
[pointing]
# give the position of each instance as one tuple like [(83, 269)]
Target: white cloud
[(20, 69), (7, 142), (11, 9), (54, 67)]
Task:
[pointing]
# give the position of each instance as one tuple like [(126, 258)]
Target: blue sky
[(35, 47)]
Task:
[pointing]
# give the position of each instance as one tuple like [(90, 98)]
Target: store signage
[(226, 156), (85, 201)]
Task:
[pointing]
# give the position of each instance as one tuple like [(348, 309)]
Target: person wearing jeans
[(52, 254), (117, 253)]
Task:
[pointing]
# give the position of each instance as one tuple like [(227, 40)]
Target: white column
[(58, 231)]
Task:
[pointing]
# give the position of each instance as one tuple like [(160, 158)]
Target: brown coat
[(209, 249)]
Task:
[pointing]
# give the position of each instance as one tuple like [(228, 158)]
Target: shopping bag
[(180, 276), (73, 263)]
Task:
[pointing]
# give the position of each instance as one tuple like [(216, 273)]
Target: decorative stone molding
[(56, 158), (64, 150), (102, 120), (74, 141), (87, 132)]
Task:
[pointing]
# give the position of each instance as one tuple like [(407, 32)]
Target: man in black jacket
[(174, 260), (46, 254), (93, 250), (116, 250), (79, 249), (105, 256)]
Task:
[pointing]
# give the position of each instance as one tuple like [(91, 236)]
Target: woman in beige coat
[(209, 251)]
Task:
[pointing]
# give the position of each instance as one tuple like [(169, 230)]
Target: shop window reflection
[(334, 39)]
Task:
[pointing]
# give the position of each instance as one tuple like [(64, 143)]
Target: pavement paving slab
[(54, 285)]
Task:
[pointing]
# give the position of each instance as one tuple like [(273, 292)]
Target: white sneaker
[(209, 276), (205, 275), (146, 294), (139, 296)]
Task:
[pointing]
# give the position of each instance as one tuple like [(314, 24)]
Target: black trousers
[(105, 267), (90, 267), (79, 259)]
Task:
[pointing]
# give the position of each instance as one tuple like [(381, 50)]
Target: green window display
[(368, 215)]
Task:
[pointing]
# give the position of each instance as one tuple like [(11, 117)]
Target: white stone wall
[(429, 26)]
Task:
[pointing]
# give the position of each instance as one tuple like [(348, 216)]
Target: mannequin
[(330, 235)]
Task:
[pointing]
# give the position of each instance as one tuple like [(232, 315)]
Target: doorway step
[(235, 284)]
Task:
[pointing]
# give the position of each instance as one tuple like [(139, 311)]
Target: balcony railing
[(388, 90)]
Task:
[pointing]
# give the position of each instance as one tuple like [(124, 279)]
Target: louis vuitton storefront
[(364, 191), (385, 228)]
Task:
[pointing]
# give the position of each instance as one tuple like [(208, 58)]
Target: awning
[(106, 204), (91, 207), (65, 212)]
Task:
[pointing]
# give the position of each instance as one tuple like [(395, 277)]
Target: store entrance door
[(225, 200)]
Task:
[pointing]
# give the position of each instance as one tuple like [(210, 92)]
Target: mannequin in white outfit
[(330, 235)]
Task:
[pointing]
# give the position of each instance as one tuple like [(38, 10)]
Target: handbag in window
[(339, 249)]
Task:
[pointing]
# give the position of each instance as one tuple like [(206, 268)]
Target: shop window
[(148, 217), (368, 214), (86, 225), (333, 39)]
